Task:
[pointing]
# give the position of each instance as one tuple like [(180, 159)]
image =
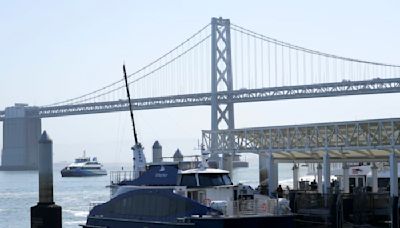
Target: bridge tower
[(21, 132), (222, 114)]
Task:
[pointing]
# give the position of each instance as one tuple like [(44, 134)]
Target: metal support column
[(272, 170), (327, 172), (295, 177), (394, 187), (345, 181), (374, 174), (319, 173), (263, 172), (222, 114)]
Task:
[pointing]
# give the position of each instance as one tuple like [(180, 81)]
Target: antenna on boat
[(130, 104), (204, 157), (139, 160)]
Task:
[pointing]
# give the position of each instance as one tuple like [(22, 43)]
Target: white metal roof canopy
[(354, 141)]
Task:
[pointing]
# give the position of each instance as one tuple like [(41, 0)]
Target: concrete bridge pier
[(21, 131)]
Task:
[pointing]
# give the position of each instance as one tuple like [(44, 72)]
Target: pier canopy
[(353, 141)]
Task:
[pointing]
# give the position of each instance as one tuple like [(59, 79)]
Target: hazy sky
[(55, 50)]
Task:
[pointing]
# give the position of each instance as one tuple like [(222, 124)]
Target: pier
[(367, 142)]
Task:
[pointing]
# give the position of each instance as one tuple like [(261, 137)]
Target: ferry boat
[(83, 167), (164, 195)]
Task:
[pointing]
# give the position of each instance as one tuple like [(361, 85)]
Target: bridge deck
[(343, 88)]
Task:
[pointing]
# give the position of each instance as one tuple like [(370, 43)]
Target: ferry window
[(227, 179), (352, 181), (188, 180), (383, 182), (360, 182), (210, 180)]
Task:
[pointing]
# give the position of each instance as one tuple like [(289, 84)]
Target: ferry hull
[(82, 173), (218, 222)]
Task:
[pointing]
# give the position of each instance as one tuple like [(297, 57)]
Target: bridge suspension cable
[(261, 61), (194, 41)]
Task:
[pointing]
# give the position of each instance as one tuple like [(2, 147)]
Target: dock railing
[(358, 208), (117, 177), (366, 207), (258, 207)]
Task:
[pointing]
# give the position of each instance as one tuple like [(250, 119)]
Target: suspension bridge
[(219, 65)]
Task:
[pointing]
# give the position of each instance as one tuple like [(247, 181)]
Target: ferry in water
[(84, 167), (165, 194)]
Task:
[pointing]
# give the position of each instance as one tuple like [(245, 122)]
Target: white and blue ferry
[(162, 194), (83, 167)]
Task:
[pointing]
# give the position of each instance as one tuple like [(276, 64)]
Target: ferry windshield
[(79, 160), (188, 180), (207, 179)]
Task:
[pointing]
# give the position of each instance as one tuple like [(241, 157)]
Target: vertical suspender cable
[(262, 62), (312, 68), (304, 68), (290, 66), (297, 67), (235, 58), (255, 62), (242, 57), (269, 64), (283, 66), (276, 65), (248, 61)]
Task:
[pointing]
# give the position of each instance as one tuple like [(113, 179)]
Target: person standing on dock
[(279, 190)]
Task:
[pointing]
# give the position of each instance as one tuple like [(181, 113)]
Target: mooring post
[(46, 214)]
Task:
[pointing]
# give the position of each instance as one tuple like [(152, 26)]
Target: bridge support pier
[(21, 131)]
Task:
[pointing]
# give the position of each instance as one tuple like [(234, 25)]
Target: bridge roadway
[(354, 141), (374, 86)]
